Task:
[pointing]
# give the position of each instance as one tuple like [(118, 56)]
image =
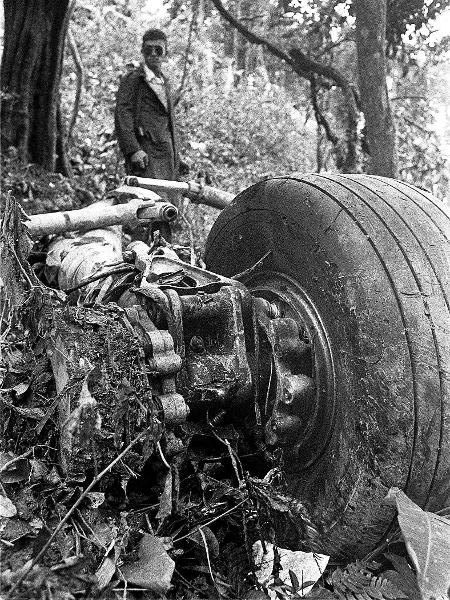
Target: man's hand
[(140, 159)]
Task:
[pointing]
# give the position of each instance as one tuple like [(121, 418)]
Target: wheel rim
[(291, 300)]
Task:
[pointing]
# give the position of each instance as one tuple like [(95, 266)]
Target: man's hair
[(154, 34)]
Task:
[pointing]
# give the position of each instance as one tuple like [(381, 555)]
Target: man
[(144, 118)]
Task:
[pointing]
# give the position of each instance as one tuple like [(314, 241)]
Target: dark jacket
[(143, 122)]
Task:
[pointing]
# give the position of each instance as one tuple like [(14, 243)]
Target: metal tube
[(157, 185), (99, 215), (198, 193)]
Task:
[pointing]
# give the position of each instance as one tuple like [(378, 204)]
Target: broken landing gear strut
[(258, 359)]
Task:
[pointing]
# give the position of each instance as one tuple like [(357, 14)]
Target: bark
[(370, 44), (31, 71)]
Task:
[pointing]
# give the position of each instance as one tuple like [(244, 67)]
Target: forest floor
[(167, 514)]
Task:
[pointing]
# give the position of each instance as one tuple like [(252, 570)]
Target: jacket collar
[(162, 93)]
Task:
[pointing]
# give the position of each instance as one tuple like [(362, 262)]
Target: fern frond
[(358, 582)]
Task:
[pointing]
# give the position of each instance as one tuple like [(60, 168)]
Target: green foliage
[(420, 95), (420, 157), (244, 134)]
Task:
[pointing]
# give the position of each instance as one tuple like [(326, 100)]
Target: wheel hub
[(296, 392)]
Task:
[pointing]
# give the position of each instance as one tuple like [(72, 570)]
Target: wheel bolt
[(197, 344)]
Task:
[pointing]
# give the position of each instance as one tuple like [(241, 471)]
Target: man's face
[(154, 52)]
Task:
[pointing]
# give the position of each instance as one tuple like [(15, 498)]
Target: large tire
[(372, 255)]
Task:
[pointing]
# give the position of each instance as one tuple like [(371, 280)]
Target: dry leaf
[(15, 528), (209, 537), (57, 353), (39, 470), (165, 502), (427, 538), (13, 469), (106, 570), (154, 569), (7, 508), (21, 388), (96, 499)]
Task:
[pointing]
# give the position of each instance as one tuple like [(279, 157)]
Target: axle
[(194, 190), (143, 207), (135, 202)]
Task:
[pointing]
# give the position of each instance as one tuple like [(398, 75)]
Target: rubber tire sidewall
[(325, 234)]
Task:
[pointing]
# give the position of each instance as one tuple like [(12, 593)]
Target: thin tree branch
[(253, 37), (409, 98), (306, 67), (187, 53), (309, 66), (80, 80), (320, 117)]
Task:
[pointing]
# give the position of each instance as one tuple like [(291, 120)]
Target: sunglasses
[(153, 50)]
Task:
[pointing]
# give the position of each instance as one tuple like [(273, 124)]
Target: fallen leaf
[(37, 524), (14, 529), (21, 388), (165, 502), (30, 413), (7, 508), (67, 563), (106, 570), (57, 354), (427, 538), (154, 569), (13, 468), (96, 499), (39, 470), (211, 540)]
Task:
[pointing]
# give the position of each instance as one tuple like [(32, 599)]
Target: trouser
[(160, 166)]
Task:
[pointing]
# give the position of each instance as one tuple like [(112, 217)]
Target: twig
[(15, 459), (250, 270), (71, 510), (163, 458), (414, 124), (205, 543), (233, 457), (22, 270), (227, 512), (191, 239)]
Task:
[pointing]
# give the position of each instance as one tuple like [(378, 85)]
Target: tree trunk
[(370, 44), (35, 32)]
